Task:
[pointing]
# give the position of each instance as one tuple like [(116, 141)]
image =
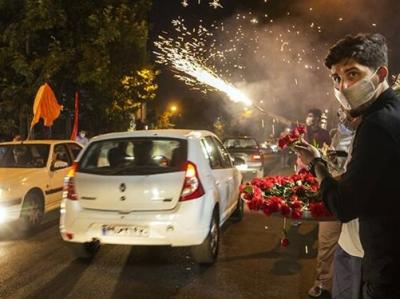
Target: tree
[(136, 89), (89, 46)]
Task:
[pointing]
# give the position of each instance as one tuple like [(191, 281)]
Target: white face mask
[(358, 94)]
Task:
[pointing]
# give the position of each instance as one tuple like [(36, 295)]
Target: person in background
[(368, 190), (328, 232), (285, 152), (349, 252), (81, 138), (316, 135)]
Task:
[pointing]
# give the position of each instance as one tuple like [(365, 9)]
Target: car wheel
[(85, 250), (207, 252), (32, 211), (238, 214)]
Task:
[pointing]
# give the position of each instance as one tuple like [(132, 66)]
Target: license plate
[(124, 230)]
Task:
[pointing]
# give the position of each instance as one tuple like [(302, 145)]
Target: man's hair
[(316, 112), (366, 49)]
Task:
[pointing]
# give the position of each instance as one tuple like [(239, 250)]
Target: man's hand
[(306, 152)]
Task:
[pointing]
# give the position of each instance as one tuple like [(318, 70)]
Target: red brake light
[(256, 157), (192, 187), (69, 183)]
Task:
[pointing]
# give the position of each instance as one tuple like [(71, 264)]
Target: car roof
[(44, 141), (171, 133)]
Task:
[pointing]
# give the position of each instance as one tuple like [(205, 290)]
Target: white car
[(32, 178), (158, 187)]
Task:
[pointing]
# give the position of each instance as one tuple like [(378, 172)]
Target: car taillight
[(256, 157), (69, 183), (192, 187)]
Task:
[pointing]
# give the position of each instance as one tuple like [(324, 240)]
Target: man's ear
[(383, 73)]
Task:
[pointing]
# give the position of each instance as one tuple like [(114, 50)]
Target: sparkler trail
[(186, 60)]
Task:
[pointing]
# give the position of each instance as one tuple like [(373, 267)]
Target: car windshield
[(240, 143), (24, 155), (134, 156)]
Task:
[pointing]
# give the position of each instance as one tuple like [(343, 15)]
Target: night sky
[(266, 75)]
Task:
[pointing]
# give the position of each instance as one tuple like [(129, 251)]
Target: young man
[(368, 190), (316, 135)]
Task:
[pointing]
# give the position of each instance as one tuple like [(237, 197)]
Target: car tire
[(238, 214), (207, 252), (32, 212), (84, 251)]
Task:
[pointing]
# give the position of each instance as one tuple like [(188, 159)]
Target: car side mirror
[(58, 164)]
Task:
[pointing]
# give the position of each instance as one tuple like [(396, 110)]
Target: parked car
[(157, 187), (248, 154), (32, 177)]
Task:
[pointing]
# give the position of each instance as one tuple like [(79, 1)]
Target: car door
[(54, 192), (220, 174), (231, 175)]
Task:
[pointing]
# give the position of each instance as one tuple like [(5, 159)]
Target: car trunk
[(129, 193), (132, 174)]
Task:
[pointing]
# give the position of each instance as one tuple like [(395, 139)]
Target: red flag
[(76, 117)]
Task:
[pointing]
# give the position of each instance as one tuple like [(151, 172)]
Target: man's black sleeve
[(372, 150)]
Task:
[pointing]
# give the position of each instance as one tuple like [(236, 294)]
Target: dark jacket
[(370, 190)]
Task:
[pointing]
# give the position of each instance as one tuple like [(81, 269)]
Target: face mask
[(358, 94), (344, 129)]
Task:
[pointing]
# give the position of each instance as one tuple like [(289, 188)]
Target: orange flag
[(45, 106)]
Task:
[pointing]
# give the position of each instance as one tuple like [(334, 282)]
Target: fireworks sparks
[(213, 3), (251, 47), (186, 57)]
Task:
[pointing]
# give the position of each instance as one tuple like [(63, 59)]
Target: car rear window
[(240, 143), (134, 156)]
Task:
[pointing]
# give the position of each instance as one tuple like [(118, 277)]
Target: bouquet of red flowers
[(292, 137), (296, 196)]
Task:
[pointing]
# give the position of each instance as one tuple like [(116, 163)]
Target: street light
[(173, 108)]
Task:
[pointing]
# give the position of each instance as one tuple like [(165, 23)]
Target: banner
[(45, 106)]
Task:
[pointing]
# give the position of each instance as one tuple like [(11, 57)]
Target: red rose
[(269, 182), (296, 204), (318, 210), (296, 213), (274, 203), (301, 129), (284, 242), (266, 210)]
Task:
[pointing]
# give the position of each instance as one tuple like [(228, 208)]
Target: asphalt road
[(251, 264)]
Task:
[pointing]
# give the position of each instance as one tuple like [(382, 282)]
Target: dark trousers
[(346, 275)]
